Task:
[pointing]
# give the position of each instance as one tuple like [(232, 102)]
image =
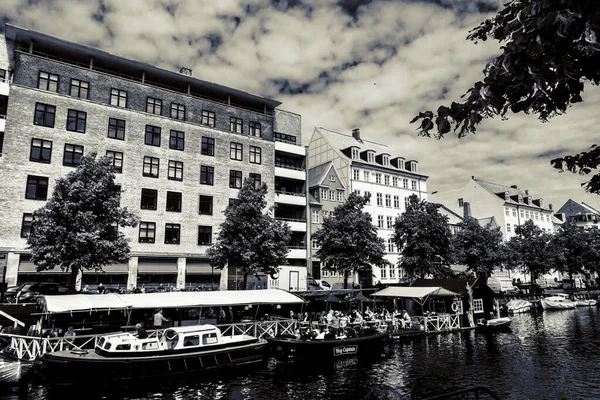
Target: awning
[(414, 292), (157, 266), (201, 268), (113, 301), (27, 267)]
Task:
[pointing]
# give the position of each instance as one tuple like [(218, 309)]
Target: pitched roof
[(487, 221), (592, 209), (312, 200), (449, 211), (343, 141), (495, 188), (318, 173)]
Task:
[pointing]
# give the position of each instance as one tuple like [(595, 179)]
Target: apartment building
[(181, 146), (368, 167), (581, 214)]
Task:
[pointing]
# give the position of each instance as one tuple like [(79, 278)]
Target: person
[(100, 288), (70, 334), (85, 289), (159, 319), (329, 317), (222, 317), (406, 321), (141, 332), (292, 314)]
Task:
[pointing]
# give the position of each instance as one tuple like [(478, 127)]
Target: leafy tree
[(532, 250), (250, 239), (550, 51), (77, 229), (348, 241), (423, 238), (577, 249), (480, 248)]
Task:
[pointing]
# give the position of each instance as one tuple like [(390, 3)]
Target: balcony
[(297, 199), (297, 252), (291, 173), (296, 225), (289, 147)]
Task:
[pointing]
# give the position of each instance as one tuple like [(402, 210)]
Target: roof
[(487, 221), (458, 286), (571, 208), (413, 292), (495, 188), (450, 213), (343, 141), (113, 301), (317, 174), (313, 201)]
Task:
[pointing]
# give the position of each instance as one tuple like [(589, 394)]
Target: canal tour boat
[(126, 356), (559, 301)]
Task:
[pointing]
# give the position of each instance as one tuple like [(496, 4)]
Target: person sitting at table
[(141, 332), (329, 317), (385, 314), (369, 315), (322, 319), (406, 321), (358, 319)]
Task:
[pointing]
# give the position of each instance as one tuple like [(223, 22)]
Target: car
[(318, 284), (31, 291)]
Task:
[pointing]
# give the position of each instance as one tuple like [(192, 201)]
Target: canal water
[(546, 355)]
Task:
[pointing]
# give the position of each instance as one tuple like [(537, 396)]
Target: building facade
[(581, 214), (370, 168), (182, 148)]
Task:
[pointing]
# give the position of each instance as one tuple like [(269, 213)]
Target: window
[(507, 227), (41, 151), (370, 157), (151, 165), (204, 235), (405, 183), (406, 202), (392, 268), (117, 160), (206, 205), (26, 225), (380, 221), (340, 197), (356, 174), (76, 121), (396, 201), (380, 199), (383, 273), (44, 115), (175, 172), (460, 202), (323, 194), (3, 75), (386, 180), (367, 176), (315, 244), (385, 160), (400, 164), (118, 98), (193, 340), (177, 140), (235, 179), (152, 136), (506, 211), (355, 154), (282, 137), (236, 125), (548, 218), (368, 196), (522, 214), (208, 146), (37, 187), (514, 212), (147, 232), (326, 214), (255, 129), (537, 216), (477, 305), (79, 88), (395, 181), (48, 82), (390, 248), (388, 200), (414, 185), (149, 199), (178, 111), (153, 106), (315, 217), (209, 338), (73, 154), (208, 118), (174, 201), (389, 222), (236, 151), (172, 233), (378, 178), (207, 175), (255, 155), (116, 128), (256, 178), (331, 195)]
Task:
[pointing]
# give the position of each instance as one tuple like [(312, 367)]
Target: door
[(294, 280)]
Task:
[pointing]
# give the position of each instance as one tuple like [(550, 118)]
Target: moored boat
[(179, 349), (586, 303), (518, 306), (494, 324), (559, 301)]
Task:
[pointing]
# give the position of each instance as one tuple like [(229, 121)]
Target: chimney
[(527, 192), (472, 176), (550, 207), (356, 134), (467, 209), (185, 71), (513, 186)]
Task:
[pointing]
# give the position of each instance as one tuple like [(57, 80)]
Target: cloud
[(341, 64)]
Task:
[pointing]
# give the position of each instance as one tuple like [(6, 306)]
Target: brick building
[(182, 147)]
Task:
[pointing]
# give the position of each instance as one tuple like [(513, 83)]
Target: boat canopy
[(114, 301), (414, 292)]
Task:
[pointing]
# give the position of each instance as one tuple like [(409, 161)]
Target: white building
[(582, 214)]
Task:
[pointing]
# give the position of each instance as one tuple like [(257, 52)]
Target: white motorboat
[(518, 306), (494, 324), (559, 301), (586, 303)]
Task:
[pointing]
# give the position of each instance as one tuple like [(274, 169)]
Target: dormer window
[(507, 196), (529, 200), (520, 198), (386, 161), (355, 154), (413, 166), (542, 203), (400, 164), (370, 157)]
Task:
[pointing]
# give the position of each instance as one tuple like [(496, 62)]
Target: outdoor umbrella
[(361, 297), (329, 299)]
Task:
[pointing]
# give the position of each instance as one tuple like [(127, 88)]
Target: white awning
[(414, 292), (113, 301)]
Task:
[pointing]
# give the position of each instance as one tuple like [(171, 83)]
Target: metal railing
[(278, 139), (291, 193), (290, 219), (289, 167)]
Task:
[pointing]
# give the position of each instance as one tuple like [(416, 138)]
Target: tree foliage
[(480, 248), (77, 229), (532, 250), (250, 239), (550, 51), (423, 238), (348, 241), (577, 250)]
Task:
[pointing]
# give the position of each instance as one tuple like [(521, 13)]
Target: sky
[(368, 64)]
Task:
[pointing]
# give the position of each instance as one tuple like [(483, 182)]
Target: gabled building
[(371, 168), (581, 214)]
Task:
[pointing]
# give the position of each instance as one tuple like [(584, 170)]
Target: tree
[(250, 239), (480, 248), (423, 238), (551, 50), (348, 241), (77, 229), (532, 250), (577, 249)]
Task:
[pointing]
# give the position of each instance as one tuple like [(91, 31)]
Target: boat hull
[(549, 304), (78, 366), (291, 349), (586, 303), (493, 325), (518, 306)]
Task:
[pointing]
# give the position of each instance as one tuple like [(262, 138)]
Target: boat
[(559, 301), (289, 348), (124, 356), (586, 303), (518, 306), (494, 324)]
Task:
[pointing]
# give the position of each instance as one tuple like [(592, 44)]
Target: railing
[(282, 140), (290, 219), (291, 193), (439, 323), (289, 167)]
